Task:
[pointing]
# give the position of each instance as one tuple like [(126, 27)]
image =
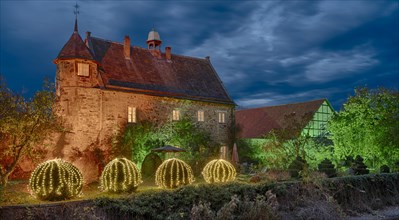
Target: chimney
[(88, 34), (168, 53), (126, 47)]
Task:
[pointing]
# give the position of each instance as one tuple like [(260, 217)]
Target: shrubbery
[(359, 168), (327, 167), (297, 166), (56, 180), (219, 171), (120, 175), (173, 173)]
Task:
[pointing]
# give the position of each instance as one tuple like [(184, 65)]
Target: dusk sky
[(266, 52)]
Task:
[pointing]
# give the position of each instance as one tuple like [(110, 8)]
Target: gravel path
[(388, 213)]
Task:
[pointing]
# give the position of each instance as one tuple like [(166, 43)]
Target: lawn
[(16, 192)]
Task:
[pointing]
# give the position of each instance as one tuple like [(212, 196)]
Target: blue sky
[(266, 52)]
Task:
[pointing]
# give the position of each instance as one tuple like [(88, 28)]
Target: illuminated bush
[(173, 173), (120, 175), (56, 180), (219, 171)]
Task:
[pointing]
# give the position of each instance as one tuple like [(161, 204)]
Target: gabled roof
[(75, 48), (257, 122), (180, 77)]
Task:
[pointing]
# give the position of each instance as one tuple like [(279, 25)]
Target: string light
[(120, 175), (173, 173), (56, 180), (219, 171)]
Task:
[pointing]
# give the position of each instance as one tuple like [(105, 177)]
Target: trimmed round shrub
[(296, 166), (56, 180), (173, 173), (120, 175), (219, 171), (327, 167), (359, 168), (384, 169), (150, 165)]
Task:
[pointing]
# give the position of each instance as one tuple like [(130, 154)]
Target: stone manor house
[(102, 85)]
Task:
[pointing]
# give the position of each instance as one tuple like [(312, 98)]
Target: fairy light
[(173, 173), (219, 171), (120, 175), (56, 180)]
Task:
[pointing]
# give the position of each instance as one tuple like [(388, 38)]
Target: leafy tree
[(24, 125), (368, 125), (138, 139)]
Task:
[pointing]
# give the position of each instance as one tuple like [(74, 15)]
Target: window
[(176, 115), (222, 117), (83, 69), (200, 115), (131, 114)]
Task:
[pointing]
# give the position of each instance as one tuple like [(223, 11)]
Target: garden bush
[(150, 165), (56, 180), (173, 173), (359, 168), (297, 166), (219, 171), (384, 169), (120, 175), (327, 167)]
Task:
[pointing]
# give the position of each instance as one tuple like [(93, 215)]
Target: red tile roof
[(180, 77), (75, 48), (257, 122)]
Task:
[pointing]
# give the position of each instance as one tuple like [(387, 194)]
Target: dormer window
[(83, 69)]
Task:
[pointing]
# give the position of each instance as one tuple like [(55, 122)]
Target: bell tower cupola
[(154, 40)]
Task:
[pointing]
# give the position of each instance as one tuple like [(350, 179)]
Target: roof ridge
[(295, 103), (138, 47)]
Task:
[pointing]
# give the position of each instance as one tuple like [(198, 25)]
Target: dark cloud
[(266, 52)]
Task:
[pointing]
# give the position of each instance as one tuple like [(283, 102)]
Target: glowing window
[(176, 115), (201, 115), (83, 69), (131, 114), (222, 117)]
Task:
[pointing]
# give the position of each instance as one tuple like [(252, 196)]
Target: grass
[(17, 193)]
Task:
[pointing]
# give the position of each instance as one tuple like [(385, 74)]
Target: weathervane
[(76, 11)]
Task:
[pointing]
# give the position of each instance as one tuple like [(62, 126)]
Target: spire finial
[(76, 12)]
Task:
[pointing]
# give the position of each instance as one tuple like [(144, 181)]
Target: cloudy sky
[(266, 52)]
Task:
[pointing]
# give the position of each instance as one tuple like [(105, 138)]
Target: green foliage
[(384, 169), (297, 166), (56, 180), (297, 199), (327, 167), (368, 125), (359, 168), (138, 140), (120, 175), (150, 165), (24, 125)]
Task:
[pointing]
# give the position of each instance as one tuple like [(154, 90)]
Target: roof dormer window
[(83, 69)]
